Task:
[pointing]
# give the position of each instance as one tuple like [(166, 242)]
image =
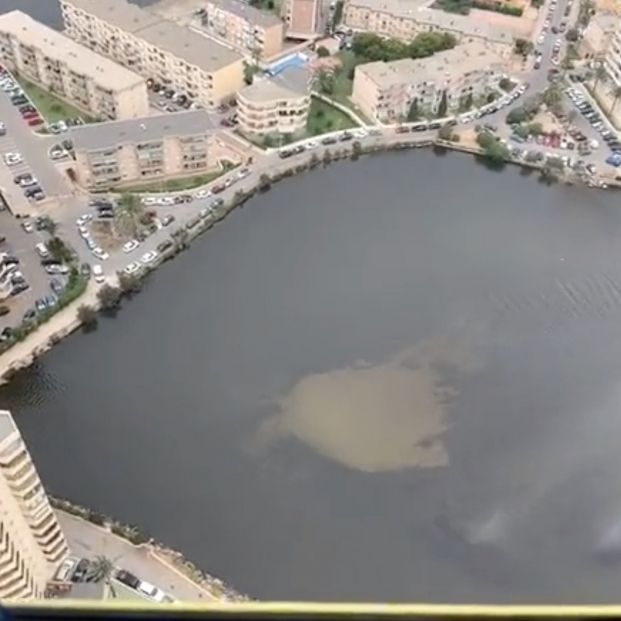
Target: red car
[(35, 121), (30, 115)]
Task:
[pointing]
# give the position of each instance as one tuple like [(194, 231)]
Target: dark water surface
[(394, 379), (391, 379)]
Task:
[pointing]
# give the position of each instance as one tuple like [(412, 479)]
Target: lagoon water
[(397, 378)]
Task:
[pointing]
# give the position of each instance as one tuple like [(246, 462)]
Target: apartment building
[(405, 19), (385, 91), (32, 544), (305, 19), (73, 72), (193, 64), (249, 30), (278, 104), (114, 154)]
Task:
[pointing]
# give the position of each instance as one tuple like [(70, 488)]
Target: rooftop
[(114, 133), (78, 58), (419, 11), (7, 425), (242, 9), (291, 82), (162, 33), (460, 60), (608, 22)]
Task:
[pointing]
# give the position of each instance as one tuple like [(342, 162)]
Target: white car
[(166, 200), (58, 154), (27, 226), (130, 246), (100, 253), (202, 194), (8, 85), (311, 144), (148, 257), (98, 273), (56, 269), (132, 268), (204, 212), (541, 39), (83, 231), (244, 172), (150, 201), (151, 591), (12, 158), (361, 133), (83, 219)]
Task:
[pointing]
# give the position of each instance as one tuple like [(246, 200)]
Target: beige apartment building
[(73, 72), (251, 31), (193, 64), (305, 18), (32, 544), (597, 36), (277, 104), (109, 155), (405, 19), (385, 91)]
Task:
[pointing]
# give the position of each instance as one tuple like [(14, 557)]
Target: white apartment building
[(385, 91), (251, 31), (405, 19), (114, 154), (73, 72), (177, 57), (278, 104), (32, 544), (597, 36)]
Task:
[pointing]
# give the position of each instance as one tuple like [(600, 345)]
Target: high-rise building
[(32, 544), (612, 61)]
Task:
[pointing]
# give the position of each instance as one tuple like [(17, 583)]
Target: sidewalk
[(88, 540)]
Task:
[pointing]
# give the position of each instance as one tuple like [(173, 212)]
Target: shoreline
[(65, 322)]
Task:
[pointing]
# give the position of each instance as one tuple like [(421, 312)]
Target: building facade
[(190, 63), (251, 31), (32, 545), (597, 36), (276, 105), (612, 59), (385, 91), (405, 19), (305, 18), (73, 72), (109, 155)]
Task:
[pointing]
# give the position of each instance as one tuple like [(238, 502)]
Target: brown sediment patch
[(377, 418)]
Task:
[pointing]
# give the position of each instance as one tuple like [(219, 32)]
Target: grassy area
[(344, 78), (323, 118), (176, 185), (51, 108)]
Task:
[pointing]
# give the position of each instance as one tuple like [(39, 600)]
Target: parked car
[(98, 273), (79, 573), (4, 310), (130, 246), (127, 578), (151, 591)]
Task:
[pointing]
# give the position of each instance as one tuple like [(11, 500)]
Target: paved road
[(87, 540)]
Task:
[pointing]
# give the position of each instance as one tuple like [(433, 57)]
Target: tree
[(323, 51), (443, 105), (109, 298), (47, 224), (101, 570), (87, 316), (129, 283), (517, 115), (506, 84), (523, 47), (128, 213), (494, 151), (600, 75), (249, 71), (413, 114), (59, 250), (466, 103), (616, 95), (325, 82), (572, 34), (552, 95), (338, 13)]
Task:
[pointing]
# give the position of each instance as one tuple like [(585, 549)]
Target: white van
[(98, 274)]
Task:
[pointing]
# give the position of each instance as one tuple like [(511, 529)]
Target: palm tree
[(616, 94), (49, 225), (101, 570), (129, 212)]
